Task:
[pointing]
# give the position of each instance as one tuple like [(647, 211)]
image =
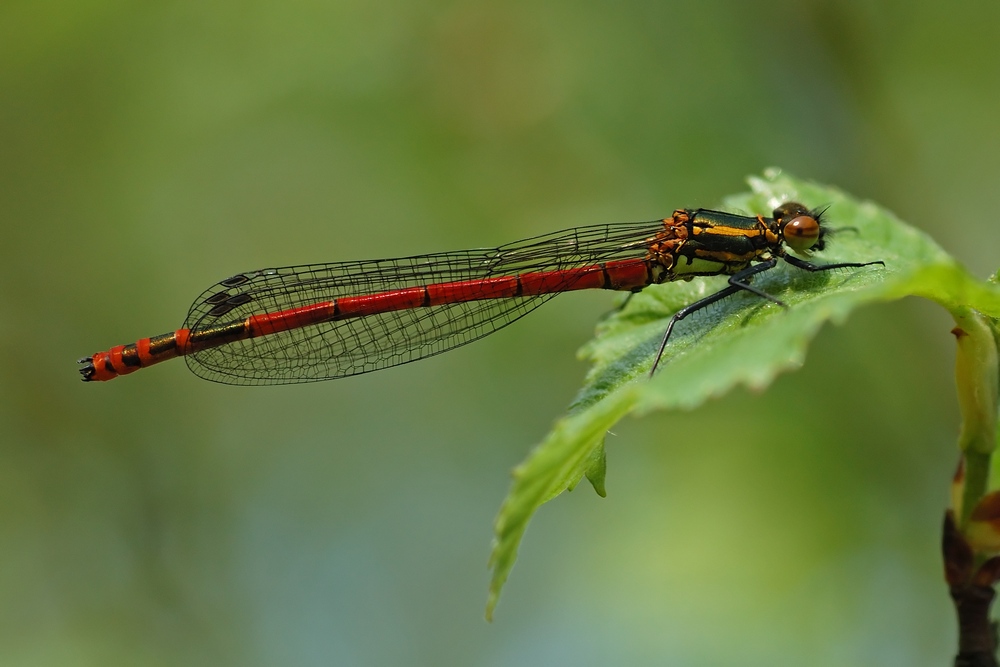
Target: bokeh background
[(148, 150)]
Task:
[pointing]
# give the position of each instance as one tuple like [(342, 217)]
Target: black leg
[(809, 266), (742, 279), (737, 282), (620, 307), (624, 303)]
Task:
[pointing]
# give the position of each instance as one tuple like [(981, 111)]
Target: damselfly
[(324, 321)]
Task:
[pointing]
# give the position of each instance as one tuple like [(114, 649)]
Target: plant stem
[(969, 574), (976, 377), (976, 633)]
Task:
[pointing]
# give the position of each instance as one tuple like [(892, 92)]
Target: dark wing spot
[(221, 309), (218, 297), (235, 281), (230, 302)]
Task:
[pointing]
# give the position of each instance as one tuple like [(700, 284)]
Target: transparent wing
[(350, 346)]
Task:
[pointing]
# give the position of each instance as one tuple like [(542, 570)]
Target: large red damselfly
[(324, 321)]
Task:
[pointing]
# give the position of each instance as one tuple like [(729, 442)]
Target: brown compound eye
[(801, 232)]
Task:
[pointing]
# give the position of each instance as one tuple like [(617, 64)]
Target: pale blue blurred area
[(149, 150)]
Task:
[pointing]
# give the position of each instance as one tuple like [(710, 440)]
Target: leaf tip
[(491, 604), (597, 470)]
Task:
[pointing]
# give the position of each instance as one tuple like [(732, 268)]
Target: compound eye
[(801, 233)]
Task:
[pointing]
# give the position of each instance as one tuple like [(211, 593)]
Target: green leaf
[(742, 340), (597, 470)]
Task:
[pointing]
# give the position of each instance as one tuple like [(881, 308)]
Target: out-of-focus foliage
[(148, 150)]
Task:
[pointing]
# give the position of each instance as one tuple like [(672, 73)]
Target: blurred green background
[(148, 150)]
